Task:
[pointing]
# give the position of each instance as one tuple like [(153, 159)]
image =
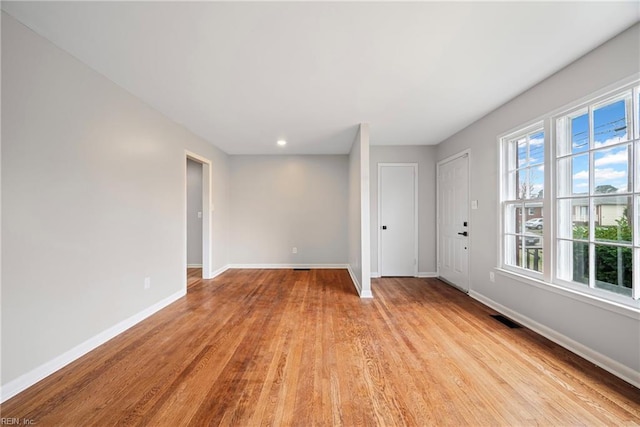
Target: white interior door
[(397, 219), (453, 221)]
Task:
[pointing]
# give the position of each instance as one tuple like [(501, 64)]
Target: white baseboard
[(218, 272), (283, 266), (376, 275), (194, 265), (354, 279), (427, 274), (25, 381), (605, 362)]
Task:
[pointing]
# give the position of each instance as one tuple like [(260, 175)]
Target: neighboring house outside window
[(592, 235)]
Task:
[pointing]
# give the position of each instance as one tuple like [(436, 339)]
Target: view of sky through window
[(610, 165)]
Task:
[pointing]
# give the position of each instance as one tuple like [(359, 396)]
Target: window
[(596, 196), (523, 199), (592, 240)]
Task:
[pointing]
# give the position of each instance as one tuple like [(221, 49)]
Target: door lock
[(384, 227)]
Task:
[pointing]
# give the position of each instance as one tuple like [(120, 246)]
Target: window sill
[(631, 309)]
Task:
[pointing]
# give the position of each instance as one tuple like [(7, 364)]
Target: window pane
[(610, 123), (573, 261), (573, 219), (637, 125), (511, 156), (536, 182), (512, 218), (563, 140), (512, 250), (612, 219), (510, 190), (533, 254), (563, 177), (523, 184), (580, 174), (637, 148), (580, 133), (522, 152), (611, 169), (536, 148), (533, 217), (637, 215), (614, 269)]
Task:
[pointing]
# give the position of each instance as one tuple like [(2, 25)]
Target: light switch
[(199, 214), (474, 204)]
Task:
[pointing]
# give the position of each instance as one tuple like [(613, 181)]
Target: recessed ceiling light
[(282, 142)]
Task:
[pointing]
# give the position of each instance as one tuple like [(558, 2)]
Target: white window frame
[(531, 128), (549, 278), (590, 106)]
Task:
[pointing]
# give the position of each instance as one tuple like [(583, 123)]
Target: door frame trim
[(465, 153), (207, 215), (415, 214)]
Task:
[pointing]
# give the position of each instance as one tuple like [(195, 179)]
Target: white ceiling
[(242, 75)]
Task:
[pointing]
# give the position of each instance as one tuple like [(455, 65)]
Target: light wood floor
[(269, 347)]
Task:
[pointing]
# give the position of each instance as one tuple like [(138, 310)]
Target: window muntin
[(596, 206), (523, 201), (595, 192)]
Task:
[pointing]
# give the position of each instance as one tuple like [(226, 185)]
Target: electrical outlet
[(492, 276), (147, 282), (294, 250)]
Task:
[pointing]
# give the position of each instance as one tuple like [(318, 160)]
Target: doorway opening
[(198, 222)]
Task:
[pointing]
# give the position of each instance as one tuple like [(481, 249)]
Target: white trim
[(453, 285), (415, 213), (421, 274), (219, 271), (605, 362), (427, 274), (30, 378), (464, 153), (363, 294), (194, 265), (287, 266)]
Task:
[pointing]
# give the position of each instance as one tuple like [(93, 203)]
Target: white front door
[(397, 219), (453, 221)]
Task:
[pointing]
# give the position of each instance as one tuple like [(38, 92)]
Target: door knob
[(464, 233)]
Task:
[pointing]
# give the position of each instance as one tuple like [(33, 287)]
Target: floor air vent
[(505, 321)]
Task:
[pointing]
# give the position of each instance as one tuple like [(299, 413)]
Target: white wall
[(93, 197), (610, 337), (194, 207), (424, 156), (358, 213), (282, 202)]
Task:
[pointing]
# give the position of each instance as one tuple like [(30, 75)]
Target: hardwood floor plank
[(299, 348)]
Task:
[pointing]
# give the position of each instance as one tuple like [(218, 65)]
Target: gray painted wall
[(194, 207), (93, 198), (609, 333), (424, 156), (281, 202)]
